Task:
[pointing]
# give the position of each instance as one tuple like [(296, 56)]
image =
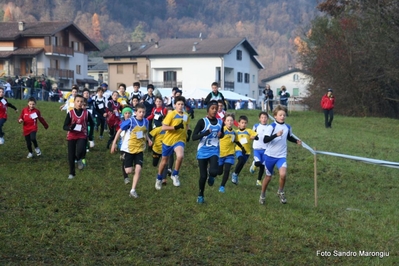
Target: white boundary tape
[(356, 158)]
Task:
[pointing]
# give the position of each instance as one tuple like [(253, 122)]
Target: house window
[(78, 69), (295, 92), (239, 77), (239, 55), (119, 69), (169, 76), (75, 46), (296, 77), (246, 78), (55, 41), (117, 58), (54, 64), (134, 68)]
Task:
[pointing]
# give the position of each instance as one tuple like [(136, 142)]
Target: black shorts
[(133, 159)]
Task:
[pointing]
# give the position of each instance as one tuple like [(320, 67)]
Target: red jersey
[(30, 118), (222, 115), (158, 114), (81, 129)]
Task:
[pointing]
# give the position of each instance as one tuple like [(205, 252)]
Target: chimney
[(194, 47), (21, 26), (156, 44), (129, 47)]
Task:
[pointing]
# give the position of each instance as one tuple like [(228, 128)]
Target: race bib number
[(3, 101), (71, 105), (156, 117), (221, 115), (185, 118), (233, 137), (123, 102), (78, 127), (139, 134), (243, 141), (101, 106), (33, 115)]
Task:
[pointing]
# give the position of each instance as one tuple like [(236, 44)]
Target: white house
[(193, 64), (295, 80)]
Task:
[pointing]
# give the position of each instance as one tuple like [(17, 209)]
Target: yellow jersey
[(227, 145), (244, 137), (123, 100), (157, 134), (173, 118), (135, 135)]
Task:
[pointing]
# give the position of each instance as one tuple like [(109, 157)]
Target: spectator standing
[(327, 103), (284, 95), (268, 99)]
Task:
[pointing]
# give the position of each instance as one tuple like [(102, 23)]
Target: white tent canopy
[(196, 93)]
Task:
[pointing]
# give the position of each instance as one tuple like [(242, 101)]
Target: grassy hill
[(47, 219)]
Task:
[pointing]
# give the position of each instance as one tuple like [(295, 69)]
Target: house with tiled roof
[(126, 64), (295, 80), (98, 70), (57, 50), (189, 64)]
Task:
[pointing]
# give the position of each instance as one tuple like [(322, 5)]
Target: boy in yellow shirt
[(244, 136), (175, 124)]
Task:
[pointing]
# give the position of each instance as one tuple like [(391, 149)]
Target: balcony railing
[(228, 85), (168, 84), (60, 50), (60, 73)]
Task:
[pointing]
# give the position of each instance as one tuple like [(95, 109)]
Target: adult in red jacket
[(327, 104), (29, 117)]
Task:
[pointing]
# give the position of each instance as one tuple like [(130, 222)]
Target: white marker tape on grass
[(356, 158)]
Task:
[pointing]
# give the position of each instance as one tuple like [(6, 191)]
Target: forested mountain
[(270, 25)]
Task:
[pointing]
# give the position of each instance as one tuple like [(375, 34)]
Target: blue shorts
[(270, 162), (259, 156), (239, 154), (227, 159), (168, 150)]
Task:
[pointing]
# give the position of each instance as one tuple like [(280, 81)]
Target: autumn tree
[(7, 15), (354, 50), (96, 27)]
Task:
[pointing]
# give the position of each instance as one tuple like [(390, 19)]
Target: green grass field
[(46, 219)]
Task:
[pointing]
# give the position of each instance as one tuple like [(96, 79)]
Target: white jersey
[(277, 148), (261, 130)]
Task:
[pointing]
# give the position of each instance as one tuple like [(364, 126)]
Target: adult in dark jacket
[(327, 104), (215, 95), (268, 99)]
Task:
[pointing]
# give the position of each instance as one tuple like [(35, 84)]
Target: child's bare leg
[(179, 157), (136, 177), (283, 172)]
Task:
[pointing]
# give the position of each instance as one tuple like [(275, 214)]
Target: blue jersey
[(209, 145)]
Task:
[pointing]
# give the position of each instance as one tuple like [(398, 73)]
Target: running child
[(136, 91), (158, 113), (157, 135), (126, 115), (69, 99), (113, 118), (176, 124), (259, 147), (100, 105), (276, 136), (208, 130), (77, 123), (221, 114), (227, 149), (133, 144), (244, 135), (29, 116), (4, 104)]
